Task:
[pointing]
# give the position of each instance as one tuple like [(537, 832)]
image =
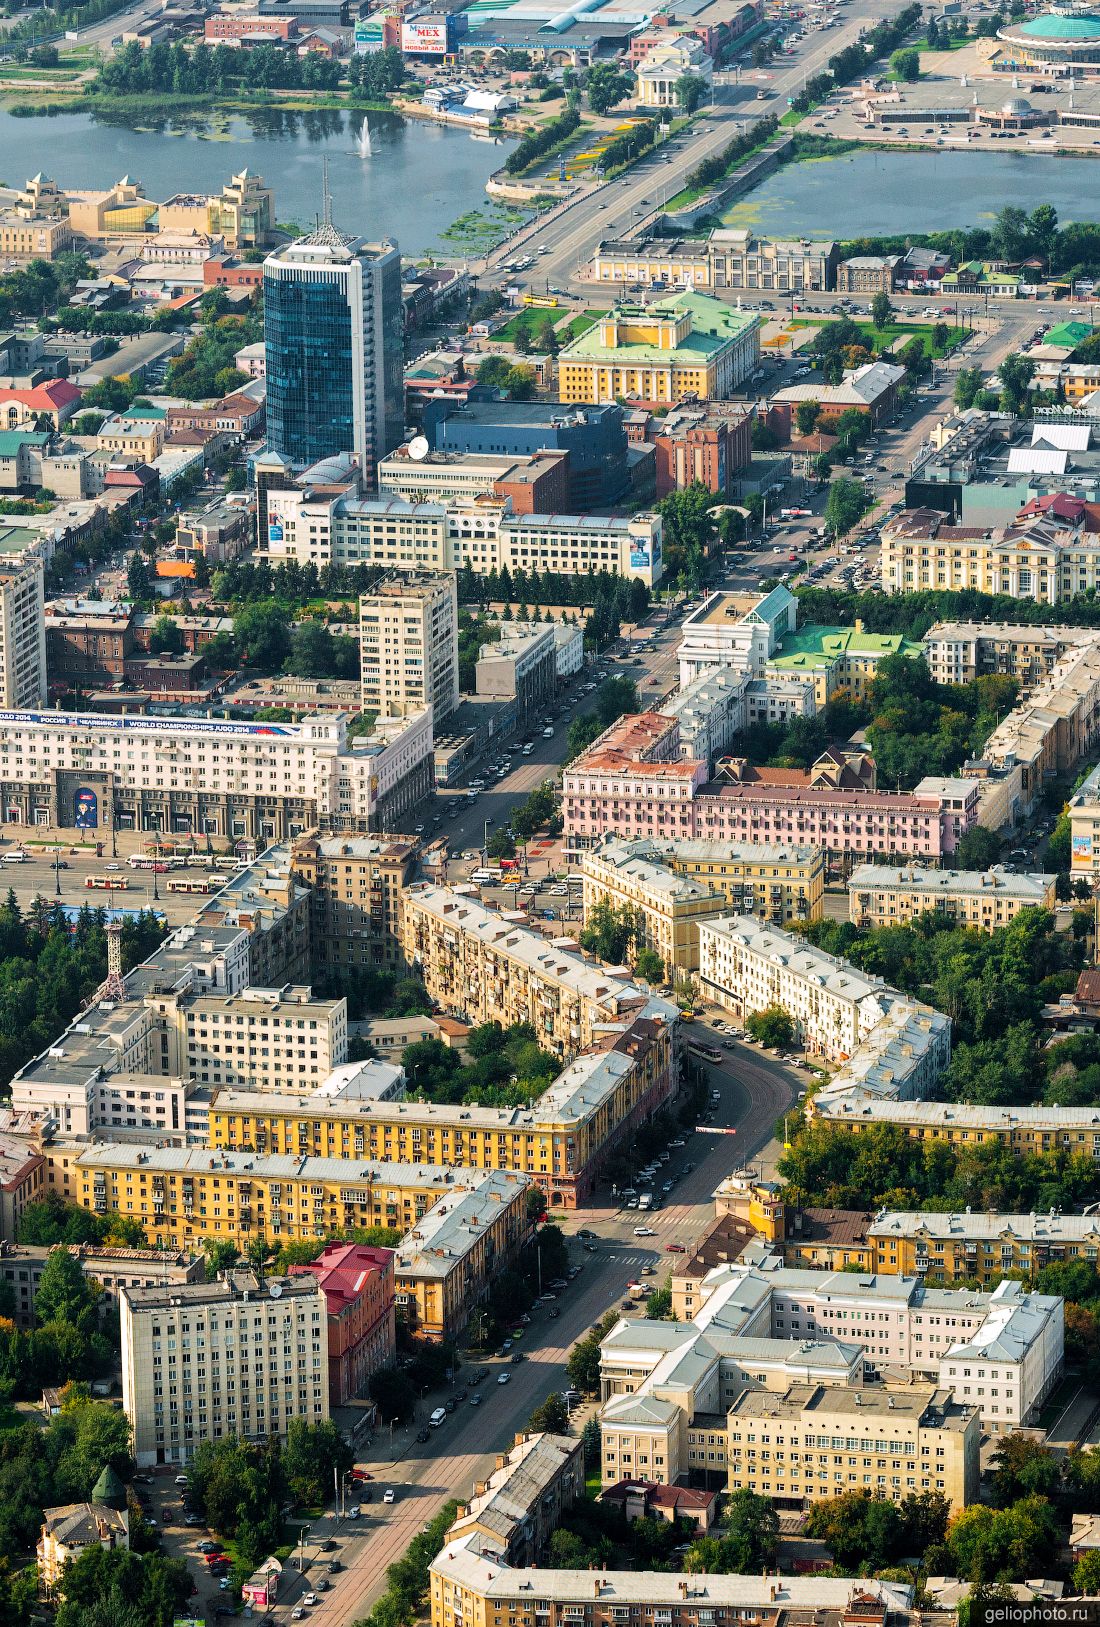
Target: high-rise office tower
[(333, 336), (22, 633)]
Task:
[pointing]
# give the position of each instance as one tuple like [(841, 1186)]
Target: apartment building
[(748, 967), (958, 652), (183, 1194), (445, 1265), (1084, 818), (270, 1039), (518, 1507), (22, 1265), (408, 645), (982, 1248), (711, 711), (1037, 559), (258, 782), (817, 1441), (22, 633), (561, 1141), (888, 895), (663, 885), (355, 885), (521, 667), (761, 1324), (1023, 1129), (239, 1356), (482, 967), (360, 1310)]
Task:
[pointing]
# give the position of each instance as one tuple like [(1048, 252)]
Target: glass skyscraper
[(333, 335)]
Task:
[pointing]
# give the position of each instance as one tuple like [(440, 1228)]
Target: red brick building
[(538, 485), (229, 272), (242, 28), (710, 445), (362, 1331)]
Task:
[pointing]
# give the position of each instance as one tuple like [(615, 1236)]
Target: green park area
[(939, 339), (527, 323)]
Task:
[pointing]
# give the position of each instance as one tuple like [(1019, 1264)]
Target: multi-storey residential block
[(824, 1440), (257, 782), (522, 667), (665, 886), (408, 645), (886, 895), (360, 1309), (686, 344), (444, 1266), (711, 710), (273, 1039), (982, 1248), (475, 962), (471, 1588), (355, 885), (517, 1509), (22, 633), (958, 652), (561, 1141), (960, 1124), (1036, 558), (272, 1369)]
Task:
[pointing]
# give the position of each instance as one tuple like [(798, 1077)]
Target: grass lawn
[(531, 320), (880, 339), (592, 1483)]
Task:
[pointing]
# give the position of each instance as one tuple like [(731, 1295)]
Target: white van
[(486, 878), (438, 1417)]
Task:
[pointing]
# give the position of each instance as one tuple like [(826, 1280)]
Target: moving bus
[(105, 881), (198, 885)]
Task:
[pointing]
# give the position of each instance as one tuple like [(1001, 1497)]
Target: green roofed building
[(837, 658), (1068, 335), (1063, 37), (689, 345)]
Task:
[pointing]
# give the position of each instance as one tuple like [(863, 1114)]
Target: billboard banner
[(425, 36)]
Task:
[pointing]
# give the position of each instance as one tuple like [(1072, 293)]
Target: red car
[(675, 1248)]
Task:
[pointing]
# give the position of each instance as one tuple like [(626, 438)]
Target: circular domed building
[(1017, 113), (1062, 40)]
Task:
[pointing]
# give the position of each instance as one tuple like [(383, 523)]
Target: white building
[(22, 633), (232, 1357), (408, 645), (254, 781), (775, 1325), (665, 64), (730, 631), (710, 710), (568, 645)]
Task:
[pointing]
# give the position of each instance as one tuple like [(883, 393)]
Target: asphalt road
[(754, 1089), (133, 889)]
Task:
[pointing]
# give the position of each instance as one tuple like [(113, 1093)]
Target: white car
[(644, 1231), (504, 1378), (389, 1495)]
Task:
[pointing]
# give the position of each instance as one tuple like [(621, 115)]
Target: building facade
[(886, 895), (273, 1368), (408, 645), (360, 1308), (334, 349), (686, 344), (355, 885), (22, 634)]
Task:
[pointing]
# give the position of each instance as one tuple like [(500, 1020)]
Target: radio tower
[(113, 987)]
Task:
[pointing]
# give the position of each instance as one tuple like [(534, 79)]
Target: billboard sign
[(274, 529), (86, 809), (425, 36)]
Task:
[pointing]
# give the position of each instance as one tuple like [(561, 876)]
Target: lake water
[(880, 193), (420, 178)]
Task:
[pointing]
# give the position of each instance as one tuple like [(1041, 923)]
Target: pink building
[(359, 1296), (630, 782)]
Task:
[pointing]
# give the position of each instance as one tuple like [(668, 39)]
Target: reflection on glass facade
[(310, 363), (333, 336)]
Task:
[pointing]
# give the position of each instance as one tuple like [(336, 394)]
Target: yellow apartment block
[(954, 1249), (819, 1440), (1024, 1129), (559, 1141), (666, 907), (183, 1194), (445, 1263), (888, 895)]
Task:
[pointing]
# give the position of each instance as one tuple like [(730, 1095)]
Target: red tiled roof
[(46, 397), (343, 1270)]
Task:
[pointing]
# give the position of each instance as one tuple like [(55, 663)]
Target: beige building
[(666, 907), (727, 258), (242, 214), (443, 1268), (232, 1357), (522, 1502), (22, 634), (887, 895), (479, 965), (817, 1441), (134, 436), (685, 344), (33, 237), (1039, 560), (958, 652), (67, 1532), (408, 645), (355, 885), (470, 1587), (267, 1039)]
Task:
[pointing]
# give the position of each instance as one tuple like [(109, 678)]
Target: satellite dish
[(276, 1290), (419, 448)]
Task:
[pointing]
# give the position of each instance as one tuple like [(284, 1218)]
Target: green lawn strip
[(880, 339)]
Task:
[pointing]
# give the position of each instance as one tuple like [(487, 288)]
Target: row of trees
[(206, 367), (614, 699), (537, 143), (631, 143), (71, 1339), (632, 598), (40, 286), (376, 75), (616, 933), (515, 380), (1072, 250), (714, 169), (204, 71)]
